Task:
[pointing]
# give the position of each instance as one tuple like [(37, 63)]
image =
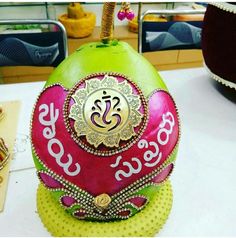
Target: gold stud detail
[(102, 201)]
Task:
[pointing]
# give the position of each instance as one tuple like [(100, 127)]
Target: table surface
[(204, 177)]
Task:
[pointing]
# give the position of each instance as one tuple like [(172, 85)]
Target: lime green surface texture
[(147, 222), (117, 57)]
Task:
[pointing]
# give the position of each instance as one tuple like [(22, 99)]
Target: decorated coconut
[(219, 42), (105, 134)]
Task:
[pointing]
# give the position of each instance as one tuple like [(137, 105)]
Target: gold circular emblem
[(105, 110)]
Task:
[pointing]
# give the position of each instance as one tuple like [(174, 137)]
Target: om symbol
[(106, 111)]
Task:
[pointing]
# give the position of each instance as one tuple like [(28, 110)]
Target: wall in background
[(12, 10)]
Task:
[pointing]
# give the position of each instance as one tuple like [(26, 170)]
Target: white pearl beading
[(219, 79), (225, 6)]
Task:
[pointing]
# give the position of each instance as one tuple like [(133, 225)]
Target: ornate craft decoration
[(148, 163), (1, 113), (103, 207), (102, 201), (4, 154), (104, 114), (109, 111), (106, 111)]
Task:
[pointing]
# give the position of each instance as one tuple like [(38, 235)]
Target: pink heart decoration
[(90, 172)]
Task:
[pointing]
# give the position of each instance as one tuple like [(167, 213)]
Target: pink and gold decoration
[(105, 132)]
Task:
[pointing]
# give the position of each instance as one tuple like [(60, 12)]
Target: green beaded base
[(147, 222)]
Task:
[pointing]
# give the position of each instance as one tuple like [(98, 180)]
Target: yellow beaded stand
[(147, 222)]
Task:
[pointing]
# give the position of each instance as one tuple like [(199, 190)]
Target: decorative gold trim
[(134, 206), (90, 148), (102, 201), (107, 23), (69, 185), (105, 111), (4, 154), (118, 200)]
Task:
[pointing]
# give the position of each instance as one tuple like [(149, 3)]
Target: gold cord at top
[(107, 21)]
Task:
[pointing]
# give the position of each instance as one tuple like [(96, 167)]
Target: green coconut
[(116, 57), (107, 56)]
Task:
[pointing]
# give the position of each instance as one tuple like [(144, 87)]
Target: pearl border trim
[(225, 6), (219, 79)]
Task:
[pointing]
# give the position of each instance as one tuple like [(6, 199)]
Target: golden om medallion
[(105, 111)]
